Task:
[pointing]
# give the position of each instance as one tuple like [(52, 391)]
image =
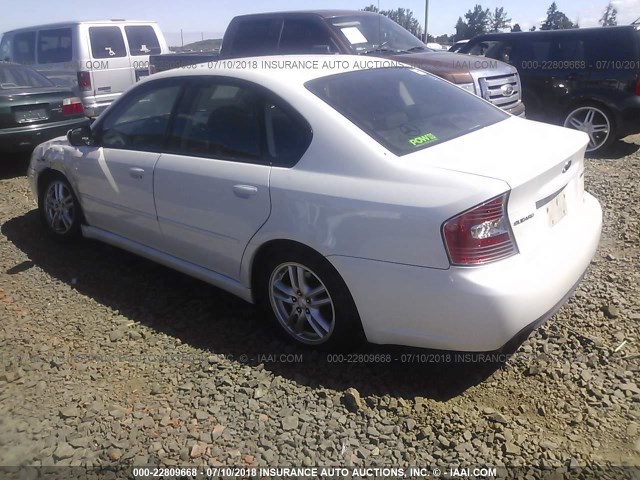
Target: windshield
[(405, 109), (16, 76), (374, 33)]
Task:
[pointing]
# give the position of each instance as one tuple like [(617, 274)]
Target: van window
[(541, 50), (142, 40), (571, 49), (24, 48), (54, 45), (106, 42)]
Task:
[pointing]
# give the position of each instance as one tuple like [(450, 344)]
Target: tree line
[(481, 20)]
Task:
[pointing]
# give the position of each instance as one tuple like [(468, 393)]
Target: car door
[(212, 191), (115, 178)]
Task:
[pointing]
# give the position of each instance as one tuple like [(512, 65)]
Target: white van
[(99, 59)]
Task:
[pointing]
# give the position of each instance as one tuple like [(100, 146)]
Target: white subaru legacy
[(349, 200)]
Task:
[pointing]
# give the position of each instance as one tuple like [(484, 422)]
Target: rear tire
[(596, 121), (59, 208), (308, 300)]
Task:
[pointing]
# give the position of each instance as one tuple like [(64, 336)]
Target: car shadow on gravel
[(221, 324), (619, 149), (13, 165)]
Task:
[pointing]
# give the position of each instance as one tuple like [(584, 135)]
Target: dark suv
[(586, 78)]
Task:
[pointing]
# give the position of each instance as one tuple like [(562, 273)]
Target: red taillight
[(72, 106), (480, 235), (638, 88), (152, 69), (84, 81)]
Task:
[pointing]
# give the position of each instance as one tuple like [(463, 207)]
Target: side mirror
[(80, 137)]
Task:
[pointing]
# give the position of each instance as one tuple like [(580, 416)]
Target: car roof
[(275, 69), (115, 21), (568, 31), (319, 13)]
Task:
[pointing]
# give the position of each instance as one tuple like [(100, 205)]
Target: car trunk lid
[(33, 106), (542, 164)]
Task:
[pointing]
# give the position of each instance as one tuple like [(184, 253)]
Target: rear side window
[(571, 49), (405, 109), (54, 46), (24, 48), (256, 37), (301, 35), (142, 40), (611, 45), (222, 122), (106, 42), (288, 135), (142, 120)]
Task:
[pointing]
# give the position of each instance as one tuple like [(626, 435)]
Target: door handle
[(245, 191), (136, 172)]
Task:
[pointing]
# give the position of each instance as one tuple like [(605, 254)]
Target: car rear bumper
[(475, 309), (25, 138)]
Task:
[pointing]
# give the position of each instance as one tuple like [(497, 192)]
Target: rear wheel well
[(267, 250)]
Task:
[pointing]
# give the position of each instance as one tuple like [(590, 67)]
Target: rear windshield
[(142, 40), (405, 109), (15, 76)]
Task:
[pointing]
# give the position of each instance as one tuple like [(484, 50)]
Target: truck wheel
[(595, 121)]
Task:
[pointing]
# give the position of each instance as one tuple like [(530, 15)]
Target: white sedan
[(347, 200)]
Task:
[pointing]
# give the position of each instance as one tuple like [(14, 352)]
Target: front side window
[(106, 42), (54, 46), (375, 34), (142, 40), (24, 48), (140, 120), (223, 121), (405, 110), (5, 48)]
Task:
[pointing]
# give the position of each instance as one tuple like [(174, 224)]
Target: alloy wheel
[(302, 303), (594, 122), (59, 207)]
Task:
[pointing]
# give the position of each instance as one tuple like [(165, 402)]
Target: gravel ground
[(108, 359)]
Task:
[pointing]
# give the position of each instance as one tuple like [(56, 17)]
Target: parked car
[(33, 109), (390, 210), (587, 78), (351, 32), (98, 59)]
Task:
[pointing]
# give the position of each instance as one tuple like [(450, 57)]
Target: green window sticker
[(422, 139)]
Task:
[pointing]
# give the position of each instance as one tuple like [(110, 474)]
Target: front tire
[(596, 121), (309, 301), (59, 208)]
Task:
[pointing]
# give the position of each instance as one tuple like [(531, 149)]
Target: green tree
[(556, 20), (477, 21), (609, 16), (402, 16), (499, 20), (516, 28), (462, 30)]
